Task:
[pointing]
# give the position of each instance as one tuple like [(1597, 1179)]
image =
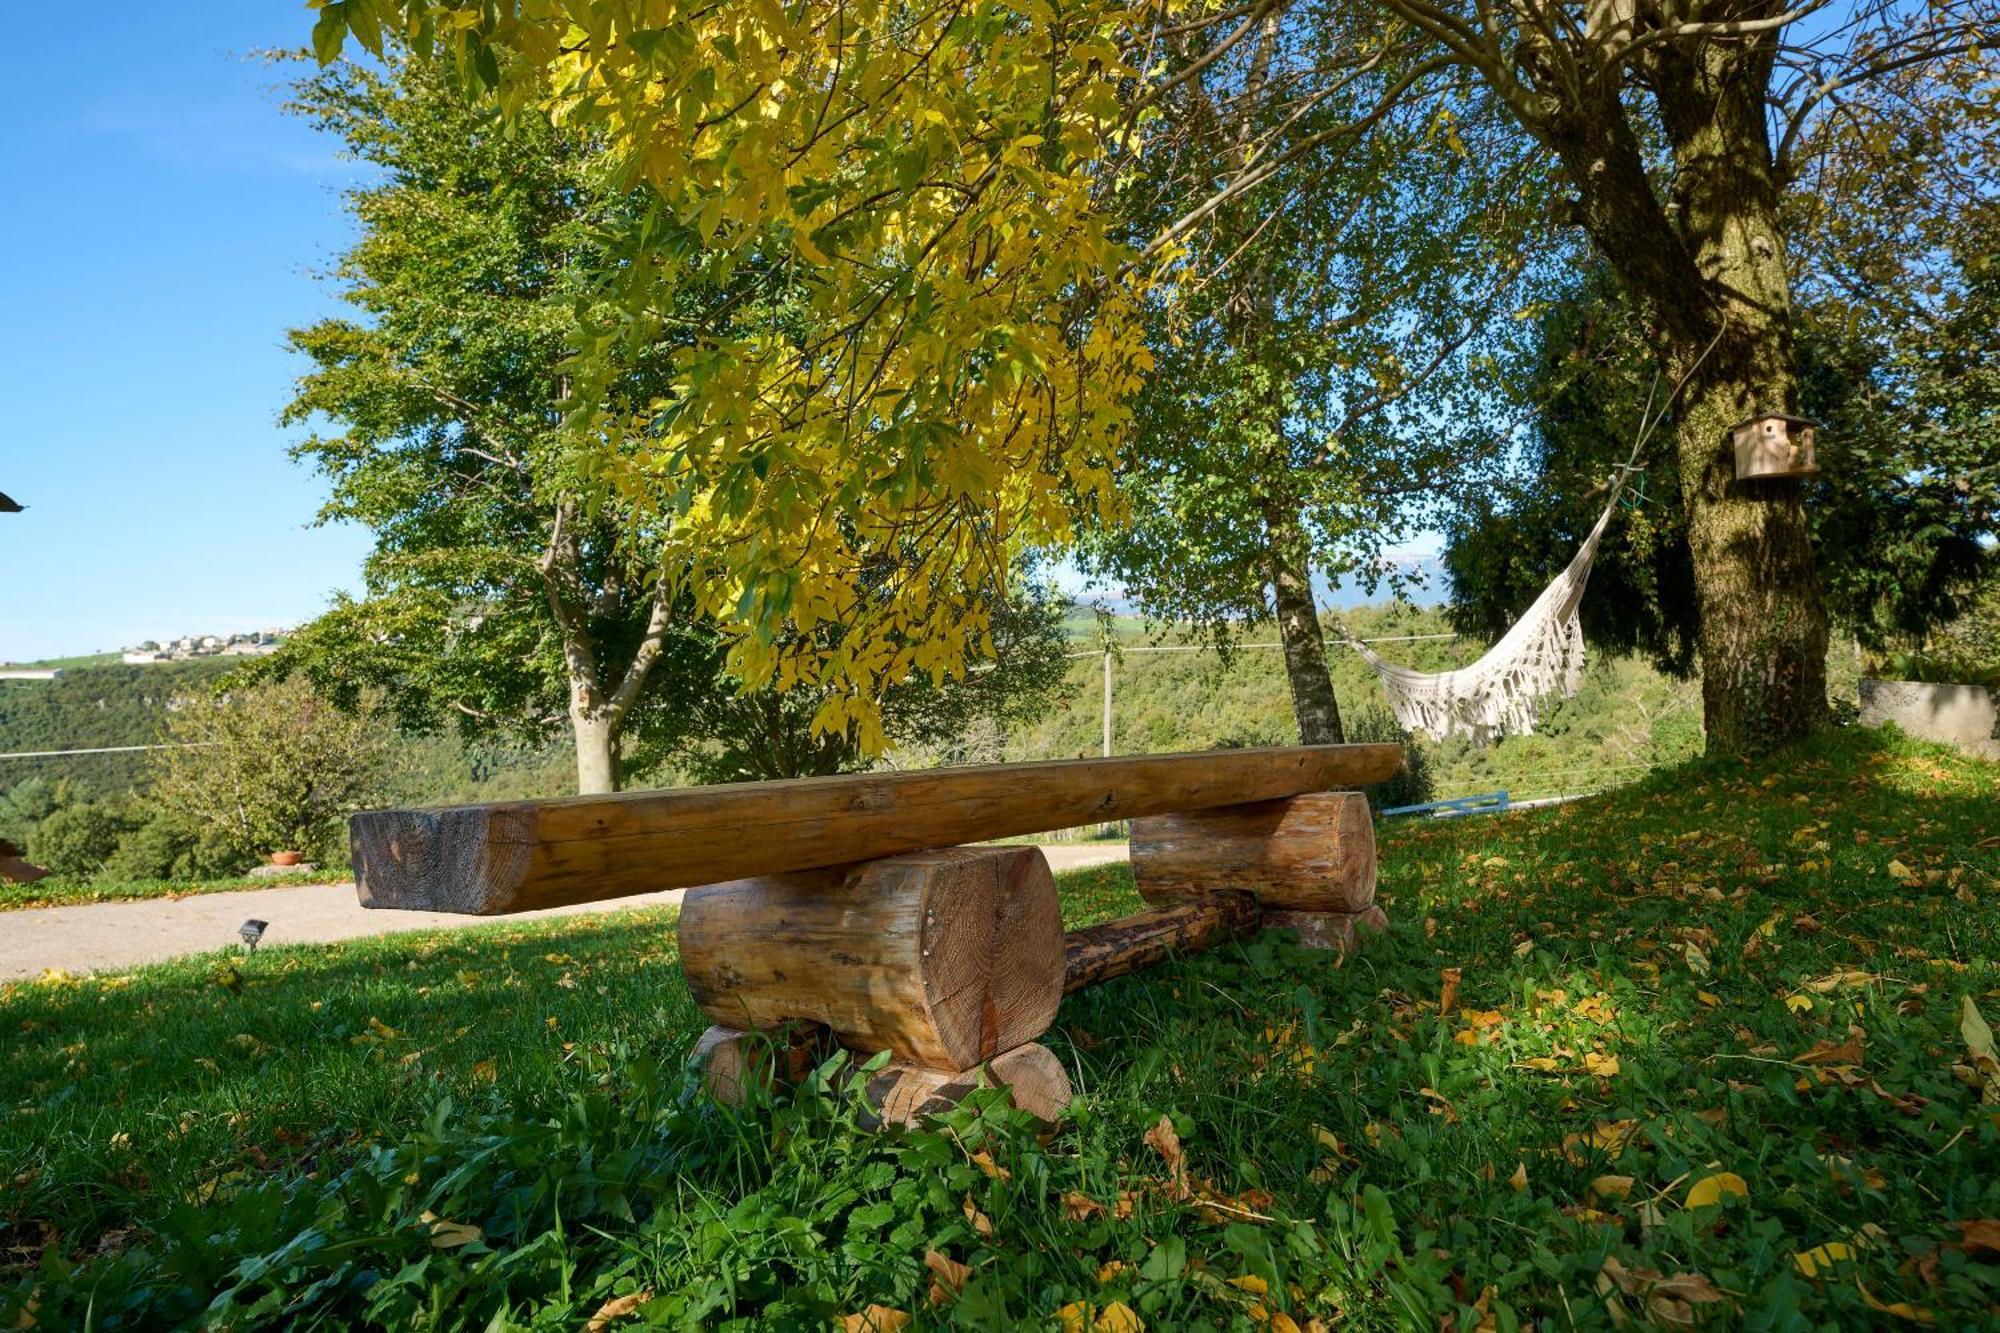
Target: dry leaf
[(1448, 992), (1916, 1314), (1900, 871), (1075, 1317), (486, 1071), (1980, 1237), (1080, 1207), (1712, 1190), (875, 1319), (1603, 1066), (616, 1308), (1163, 1140), (450, 1235), (947, 1276), (1828, 1053), (1518, 1182), (1979, 1042), (981, 1223), (1110, 1271), (993, 1170), (1711, 1000)]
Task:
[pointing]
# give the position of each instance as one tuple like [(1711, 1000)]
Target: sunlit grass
[(1497, 1110)]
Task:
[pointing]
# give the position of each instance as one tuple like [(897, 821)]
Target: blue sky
[(163, 224)]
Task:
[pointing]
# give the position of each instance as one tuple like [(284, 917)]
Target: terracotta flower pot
[(287, 858)]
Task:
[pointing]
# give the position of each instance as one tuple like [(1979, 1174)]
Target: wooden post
[(1310, 859)]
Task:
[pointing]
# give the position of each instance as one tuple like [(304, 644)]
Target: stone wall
[(1963, 715)]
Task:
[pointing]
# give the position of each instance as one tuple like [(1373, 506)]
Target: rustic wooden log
[(945, 958), (1342, 932), (731, 1060), (1314, 852), (519, 855), (903, 1093), (1114, 948)]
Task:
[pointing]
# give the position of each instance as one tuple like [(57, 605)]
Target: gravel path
[(105, 936)]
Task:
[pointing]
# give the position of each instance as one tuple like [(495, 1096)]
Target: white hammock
[(1499, 695)]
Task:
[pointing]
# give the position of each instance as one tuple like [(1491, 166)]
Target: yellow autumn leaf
[(1118, 1317), (1707, 998), (1712, 1190), (1898, 870), (1798, 1004), (1518, 1182), (1251, 1283), (1603, 1066), (875, 1319), (1820, 1258), (450, 1235), (1110, 1271), (1075, 1317), (1611, 1187)]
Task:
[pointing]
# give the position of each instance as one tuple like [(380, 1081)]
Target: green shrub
[(1412, 786), (78, 838)]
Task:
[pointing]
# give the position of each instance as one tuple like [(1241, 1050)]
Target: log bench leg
[(951, 960), (1310, 860)]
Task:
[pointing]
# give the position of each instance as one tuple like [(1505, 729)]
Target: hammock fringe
[(1542, 654)]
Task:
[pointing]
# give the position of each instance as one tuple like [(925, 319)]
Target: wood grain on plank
[(521, 855)]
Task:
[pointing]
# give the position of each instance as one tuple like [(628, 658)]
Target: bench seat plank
[(517, 856)]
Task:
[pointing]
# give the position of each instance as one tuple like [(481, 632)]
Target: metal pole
[(1107, 703)]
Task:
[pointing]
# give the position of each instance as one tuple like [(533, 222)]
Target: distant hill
[(1626, 718)]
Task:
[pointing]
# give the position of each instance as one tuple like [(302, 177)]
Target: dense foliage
[(1712, 1049)]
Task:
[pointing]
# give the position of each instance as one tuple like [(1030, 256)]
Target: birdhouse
[(1774, 445)]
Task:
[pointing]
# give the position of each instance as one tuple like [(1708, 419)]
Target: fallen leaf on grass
[(1669, 1300), (1822, 1258), (947, 1277), (486, 1071), (875, 1319), (1916, 1314), (1518, 1182), (981, 1223), (1080, 1207), (1830, 1053), (1980, 1237), (1611, 1187), (450, 1235), (1448, 991), (993, 1170), (1109, 1272), (1897, 870), (1840, 981), (1979, 1043), (1162, 1139), (616, 1308), (1603, 1066), (1117, 1317), (1712, 1190)]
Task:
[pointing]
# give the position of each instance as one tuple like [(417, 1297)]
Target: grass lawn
[(62, 891), (1697, 1052)]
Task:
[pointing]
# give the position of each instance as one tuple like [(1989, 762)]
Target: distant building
[(191, 646)]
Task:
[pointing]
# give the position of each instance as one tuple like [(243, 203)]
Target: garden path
[(102, 936)]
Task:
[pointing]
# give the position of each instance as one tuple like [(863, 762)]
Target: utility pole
[(1107, 702)]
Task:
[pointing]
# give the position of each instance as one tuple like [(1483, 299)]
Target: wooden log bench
[(847, 912)]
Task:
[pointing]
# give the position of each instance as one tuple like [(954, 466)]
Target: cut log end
[(1341, 932), (470, 859)]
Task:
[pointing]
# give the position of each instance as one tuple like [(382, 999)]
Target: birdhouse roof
[(1775, 416)]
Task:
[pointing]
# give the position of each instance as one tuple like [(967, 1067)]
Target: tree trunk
[(1313, 701), (1707, 274), (1763, 623), (596, 751)]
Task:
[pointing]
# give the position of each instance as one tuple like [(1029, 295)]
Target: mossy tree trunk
[(1705, 266)]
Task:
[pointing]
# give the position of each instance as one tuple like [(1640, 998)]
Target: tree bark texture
[(1313, 703)]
